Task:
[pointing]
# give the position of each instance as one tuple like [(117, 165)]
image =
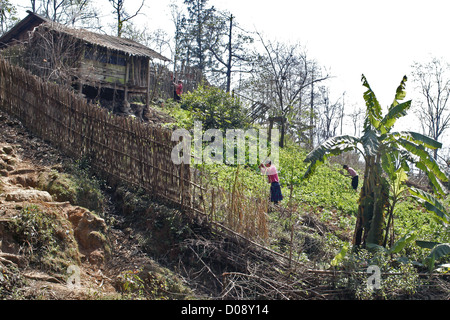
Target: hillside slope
[(55, 218), (125, 245), (47, 239)]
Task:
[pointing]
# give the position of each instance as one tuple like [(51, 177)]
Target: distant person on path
[(270, 171), (178, 90), (352, 173)]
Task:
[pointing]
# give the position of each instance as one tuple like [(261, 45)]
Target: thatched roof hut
[(83, 58)]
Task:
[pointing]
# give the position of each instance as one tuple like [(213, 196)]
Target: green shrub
[(396, 280), (215, 108), (182, 118)]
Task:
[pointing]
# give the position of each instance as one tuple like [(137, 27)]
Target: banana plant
[(438, 251), (394, 165), (376, 145)]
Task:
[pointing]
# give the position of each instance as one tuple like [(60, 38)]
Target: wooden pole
[(127, 77), (147, 105)]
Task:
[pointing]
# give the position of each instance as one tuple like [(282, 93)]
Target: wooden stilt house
[(100, 66)]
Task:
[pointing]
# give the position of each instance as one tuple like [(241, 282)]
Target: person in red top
[(178, 90), (352, 173), (270, 171)]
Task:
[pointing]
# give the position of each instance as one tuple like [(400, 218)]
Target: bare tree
[(433, 79), (82, 13), (52, 9), (329, 115), (281, 77), (121, 15), (52, 55), (177, 19), (229, 48), (68, 12), (357, 117)]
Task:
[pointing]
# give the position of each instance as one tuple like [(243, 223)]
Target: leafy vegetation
[(215, 108), (402, 230), (415, 234)]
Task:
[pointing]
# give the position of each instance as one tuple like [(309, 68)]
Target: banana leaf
[(391, 117), (402, 243), (332, 147), (370, 142), (425, 157), (417, 138), (437, 186), (431, 204), (398, 246), (427, 244), (373, 115), (400, 94), (397, 109), (439, 251), (341, 255)]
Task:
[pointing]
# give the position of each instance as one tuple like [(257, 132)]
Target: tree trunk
[(390, 224), (372, 200), (365, 205), (230, 55), (375, 232)]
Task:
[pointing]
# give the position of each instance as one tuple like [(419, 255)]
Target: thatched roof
[(19, 31), (127, 46)]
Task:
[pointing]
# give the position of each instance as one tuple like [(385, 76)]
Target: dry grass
[(234, 209)]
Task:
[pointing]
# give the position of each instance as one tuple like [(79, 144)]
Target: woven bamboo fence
[(123, 149)]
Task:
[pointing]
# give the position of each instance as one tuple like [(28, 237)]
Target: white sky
[(380, 39)]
